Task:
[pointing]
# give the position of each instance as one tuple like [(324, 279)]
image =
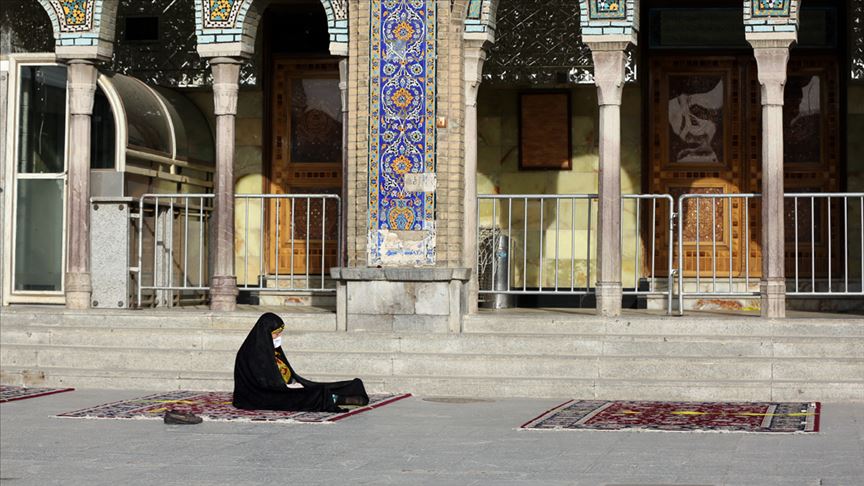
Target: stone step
[(491, 344), (459, 365), (311, 320), (852, 327), (481, 387)]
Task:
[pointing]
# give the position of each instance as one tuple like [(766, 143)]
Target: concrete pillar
[(226, 76), (475, 56), (81, 91), (772, 56), (609, 61)]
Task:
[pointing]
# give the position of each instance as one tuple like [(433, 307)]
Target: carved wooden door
[(306, 159), (697, 125), (706, 137)]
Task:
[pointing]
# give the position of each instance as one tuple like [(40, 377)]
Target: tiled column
[(223, 288), (81, 90), (475, 55), (609, 59), (772, 55)]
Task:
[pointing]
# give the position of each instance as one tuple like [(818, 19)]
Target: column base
[(609, 299), (78, 290), (223, 294), (773, 295)]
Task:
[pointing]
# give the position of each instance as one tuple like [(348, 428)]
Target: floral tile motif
[(221, 13), (402, 117), (9, 393), (766, 8), (215, 406), (681, 416), (475, 9), (608, 9), (74, 15)]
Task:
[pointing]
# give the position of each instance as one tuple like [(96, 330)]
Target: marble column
[(81, 89), (223, 288), (772, 56), (609, 62), (475, 56)]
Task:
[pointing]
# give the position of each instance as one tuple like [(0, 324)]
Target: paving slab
[(413, 441)]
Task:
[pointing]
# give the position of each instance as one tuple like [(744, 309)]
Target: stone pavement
[(413, 441)]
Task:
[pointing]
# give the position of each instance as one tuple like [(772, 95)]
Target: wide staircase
[(497, 355)]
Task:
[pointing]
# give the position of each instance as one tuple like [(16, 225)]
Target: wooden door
[(697, 125), (306, 158), (706, 137)]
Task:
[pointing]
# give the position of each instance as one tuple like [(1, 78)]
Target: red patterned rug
[(680, 416), (9, 393), (215, 406)]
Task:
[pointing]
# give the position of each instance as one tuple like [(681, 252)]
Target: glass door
[(38, 256)]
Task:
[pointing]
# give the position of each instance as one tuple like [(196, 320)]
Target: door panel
[(306, 159), (696, 131), (706, 137)]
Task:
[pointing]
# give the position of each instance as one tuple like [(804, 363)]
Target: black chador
[(264, 380)]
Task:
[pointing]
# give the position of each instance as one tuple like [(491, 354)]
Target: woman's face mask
[(277, 341)]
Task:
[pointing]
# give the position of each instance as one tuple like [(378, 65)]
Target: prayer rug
[(680, 416), (216, 407), (9, 393)]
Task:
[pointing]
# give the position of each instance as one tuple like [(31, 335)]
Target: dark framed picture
[(545, 134)]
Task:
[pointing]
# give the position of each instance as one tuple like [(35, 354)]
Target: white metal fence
[(288, 244), (172, 243), (702, 246), (546, 244)]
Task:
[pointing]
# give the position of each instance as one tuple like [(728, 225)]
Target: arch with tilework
[(235, 22), (82, 28)]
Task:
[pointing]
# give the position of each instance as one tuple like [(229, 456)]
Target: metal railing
[(650, 275), (301, 224), (737, 282), (173, 231), (821, 234), (168, 223), (553, 234)]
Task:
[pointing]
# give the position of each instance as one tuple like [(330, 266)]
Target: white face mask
[(277, 342)]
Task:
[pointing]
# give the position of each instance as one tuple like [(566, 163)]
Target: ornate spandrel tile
[(74, 15), (608, 9), (221, 14), (771, 8)]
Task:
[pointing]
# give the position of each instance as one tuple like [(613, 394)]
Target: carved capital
[(81, 86), (608, 74), (226, 84), (772, 56), (475, 56)]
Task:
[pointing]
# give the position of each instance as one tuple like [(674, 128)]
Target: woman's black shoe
[(180, 418)]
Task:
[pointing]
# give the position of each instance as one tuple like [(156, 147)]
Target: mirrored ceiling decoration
[(169, 57), (539, 43), (25, 27), (856, 39)]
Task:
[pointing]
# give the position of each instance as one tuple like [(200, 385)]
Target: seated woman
[(264, 380)]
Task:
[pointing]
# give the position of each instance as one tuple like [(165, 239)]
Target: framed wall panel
[(545, 135)]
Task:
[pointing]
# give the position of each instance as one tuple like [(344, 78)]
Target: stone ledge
[(401, 274)]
